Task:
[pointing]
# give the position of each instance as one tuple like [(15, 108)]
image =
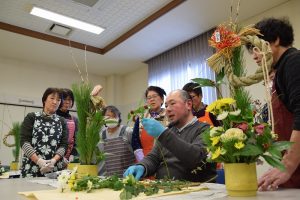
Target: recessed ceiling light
[(65, 20)]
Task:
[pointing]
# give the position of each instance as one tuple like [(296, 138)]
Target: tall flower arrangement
[(90, 121), (241, 138)]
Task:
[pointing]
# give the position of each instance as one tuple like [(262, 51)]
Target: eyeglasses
[(152, 97)]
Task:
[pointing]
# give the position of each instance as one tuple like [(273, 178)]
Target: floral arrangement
[(240, 139)]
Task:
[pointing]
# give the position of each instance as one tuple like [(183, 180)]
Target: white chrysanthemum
[(222, 116), (236, 112), (47, 124), (233, 134), (216, 131), (89, 184)]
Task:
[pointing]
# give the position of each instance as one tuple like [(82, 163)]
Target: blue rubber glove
[(153, 127), (136, 170)]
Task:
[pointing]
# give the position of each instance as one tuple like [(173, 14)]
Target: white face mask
[(112, 123)]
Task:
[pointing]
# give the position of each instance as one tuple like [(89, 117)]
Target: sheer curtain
[(176, 67)]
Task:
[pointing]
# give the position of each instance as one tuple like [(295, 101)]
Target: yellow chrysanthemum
[(211, 107), (215, 140), (216, 154), (239, 145), (227, 101)]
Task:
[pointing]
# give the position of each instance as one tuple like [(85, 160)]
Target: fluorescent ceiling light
[(65, 20)]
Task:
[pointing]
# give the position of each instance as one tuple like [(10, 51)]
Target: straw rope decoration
[(222, 59), (225, 40), (10, 133)]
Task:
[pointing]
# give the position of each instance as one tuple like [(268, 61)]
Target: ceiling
[(135, 30)]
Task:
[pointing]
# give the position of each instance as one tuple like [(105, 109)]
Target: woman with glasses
[(142, 143)]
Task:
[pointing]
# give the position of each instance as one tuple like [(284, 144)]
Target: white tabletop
[(9, 189)]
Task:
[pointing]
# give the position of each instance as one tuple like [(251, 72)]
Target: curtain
[(174, 68)]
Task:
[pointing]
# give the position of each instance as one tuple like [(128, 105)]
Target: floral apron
[(46, 137), (283, 123)]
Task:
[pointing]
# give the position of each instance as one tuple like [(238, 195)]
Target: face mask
[(112, 123)]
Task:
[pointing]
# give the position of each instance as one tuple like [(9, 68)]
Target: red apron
[(283, 124), (146, 141)]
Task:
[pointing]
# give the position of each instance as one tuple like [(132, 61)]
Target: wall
[(28, 81), (132, 91)]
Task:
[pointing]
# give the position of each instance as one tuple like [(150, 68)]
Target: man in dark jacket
[(178, 150)]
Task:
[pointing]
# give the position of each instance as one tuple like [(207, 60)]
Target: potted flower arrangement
[(90, 121), (241, 140)]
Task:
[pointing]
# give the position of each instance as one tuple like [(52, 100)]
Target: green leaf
[(282, 145), (124, 195), (274, 162), (204, 82), (274, 152), (249, 150)]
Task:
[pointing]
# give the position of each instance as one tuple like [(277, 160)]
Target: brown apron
[(283, 124)]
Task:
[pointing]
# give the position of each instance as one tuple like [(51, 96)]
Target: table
[(9, 189)]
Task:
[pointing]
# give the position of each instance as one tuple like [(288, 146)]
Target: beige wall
[(28, 81)]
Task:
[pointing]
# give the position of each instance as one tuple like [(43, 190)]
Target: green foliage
[(237, 62), (130, 186), (89, 125), (140, 111), (243, 102), (16, 126)]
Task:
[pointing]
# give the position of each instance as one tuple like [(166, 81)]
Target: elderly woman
[(115, 143), (142, 142), (44, 137)]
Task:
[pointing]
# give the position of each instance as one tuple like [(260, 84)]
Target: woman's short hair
[(161, 92)]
